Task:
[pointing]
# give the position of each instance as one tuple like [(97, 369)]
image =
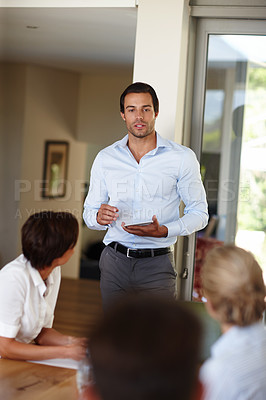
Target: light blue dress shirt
[(154, 186), (236, 369)]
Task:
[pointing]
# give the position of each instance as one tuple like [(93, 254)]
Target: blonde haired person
[(233, 285)]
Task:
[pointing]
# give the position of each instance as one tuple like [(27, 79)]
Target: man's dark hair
[(47, 235), (139, 87), (146, 347)]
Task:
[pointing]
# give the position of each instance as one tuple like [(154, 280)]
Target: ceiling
[(77, 39)]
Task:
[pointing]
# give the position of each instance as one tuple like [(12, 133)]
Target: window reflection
[(233, 159)]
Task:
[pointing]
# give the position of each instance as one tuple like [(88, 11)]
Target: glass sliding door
[(229, 136)]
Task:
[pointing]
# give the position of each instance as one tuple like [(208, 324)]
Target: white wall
[(160, 59), (68, 3)]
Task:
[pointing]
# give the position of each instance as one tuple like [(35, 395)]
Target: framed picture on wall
[(55, 169)]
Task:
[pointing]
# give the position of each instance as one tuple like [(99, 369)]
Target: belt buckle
[(128, 250)]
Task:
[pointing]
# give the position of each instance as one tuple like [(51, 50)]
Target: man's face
[(139, 114)]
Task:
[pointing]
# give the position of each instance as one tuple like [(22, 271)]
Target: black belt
[(139, 253)]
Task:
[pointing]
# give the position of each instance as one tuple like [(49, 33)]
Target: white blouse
[(26, 303), (236, 369)]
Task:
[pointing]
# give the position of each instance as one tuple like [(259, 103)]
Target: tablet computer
[(139, 223)]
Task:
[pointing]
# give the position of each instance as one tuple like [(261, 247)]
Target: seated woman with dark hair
[(29, 288), (233, 285)]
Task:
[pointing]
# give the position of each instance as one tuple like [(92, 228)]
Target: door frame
[(199, 41)]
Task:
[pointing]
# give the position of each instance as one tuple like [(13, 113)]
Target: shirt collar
[(160, 142), (122, 142), (37, 279)]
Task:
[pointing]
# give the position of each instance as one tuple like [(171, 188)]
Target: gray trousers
[(120, 274)]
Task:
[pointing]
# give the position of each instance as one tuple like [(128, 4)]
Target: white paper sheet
[(59, 362)]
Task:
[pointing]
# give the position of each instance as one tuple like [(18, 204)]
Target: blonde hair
[(232, 280)]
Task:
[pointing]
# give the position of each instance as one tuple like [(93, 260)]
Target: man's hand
[(107, 214), (153, 229)]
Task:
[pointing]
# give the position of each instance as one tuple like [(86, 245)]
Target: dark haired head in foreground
[(47, 235), (146, 347)]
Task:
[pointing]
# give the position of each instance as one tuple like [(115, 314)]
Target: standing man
[(136, 187)]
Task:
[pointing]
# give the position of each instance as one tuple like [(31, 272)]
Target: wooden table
[(21, 380)]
